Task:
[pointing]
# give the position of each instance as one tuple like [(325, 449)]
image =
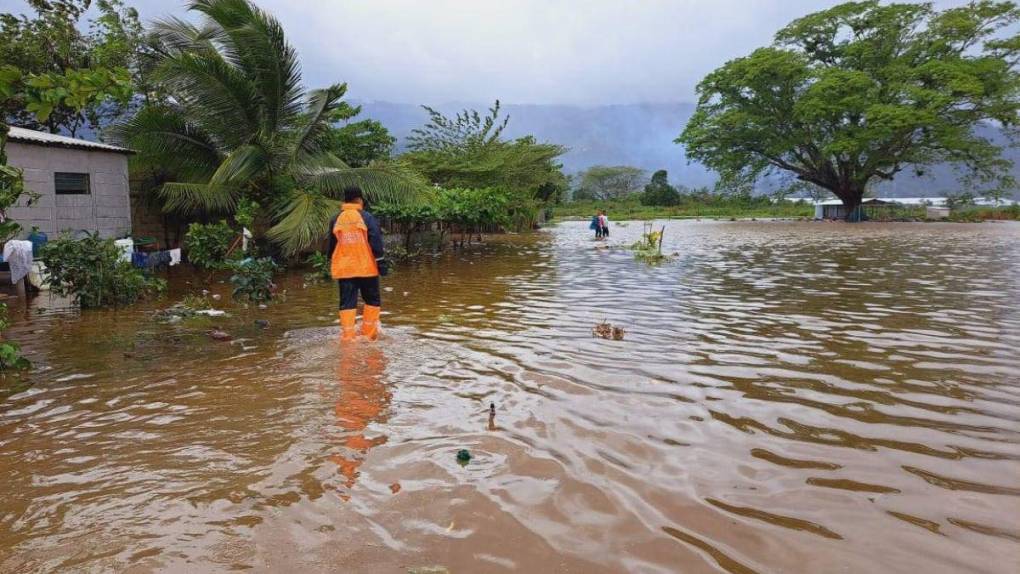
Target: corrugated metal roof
[(21, 135)]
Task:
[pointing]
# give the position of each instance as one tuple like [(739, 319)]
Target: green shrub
[(246, 212), (207, 244), (10, 352), (91, 271), (253, 279), (321, 264)]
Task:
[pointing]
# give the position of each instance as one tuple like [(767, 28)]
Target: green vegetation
[(207, 244), (253, 279), (649, 247), (712, 206), (603, 183), (467, 211), (320, 265), (10, 352), (91, 271), (660, 192), (360, 143), (237, 123), (857, 93), (58, 74), (468, 152), (985, 213), (12, 189)]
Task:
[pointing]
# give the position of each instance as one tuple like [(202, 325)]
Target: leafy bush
[(92, 273), (410, 217), (321, 264), (253, 279), (10, 352), (472, 208), (247, 210), (207, 244)]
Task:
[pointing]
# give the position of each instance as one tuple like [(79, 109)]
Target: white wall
[(106, 210)]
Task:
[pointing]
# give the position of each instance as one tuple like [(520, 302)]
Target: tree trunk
[(851, 198)]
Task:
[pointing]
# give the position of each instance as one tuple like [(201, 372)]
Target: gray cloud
[(521, 51)]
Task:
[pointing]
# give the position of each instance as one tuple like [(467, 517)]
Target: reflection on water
[(362, 399), (789, 397)]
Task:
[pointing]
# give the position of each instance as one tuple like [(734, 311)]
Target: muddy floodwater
[(789, 397)]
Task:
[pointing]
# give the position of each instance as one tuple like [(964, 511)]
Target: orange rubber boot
[(370, 322), (348, 317)]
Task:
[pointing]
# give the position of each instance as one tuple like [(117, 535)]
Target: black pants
[(349, 288)]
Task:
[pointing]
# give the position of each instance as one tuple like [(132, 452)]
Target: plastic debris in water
[(463, 456), (219, 335)]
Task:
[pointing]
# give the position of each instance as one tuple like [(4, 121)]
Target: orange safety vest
[(353, 255)]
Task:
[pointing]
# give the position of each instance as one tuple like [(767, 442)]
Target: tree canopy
[(862, 91), (658, 191), (358, 143), (468, 151), (604, 182), (239, 125), (69, 77)]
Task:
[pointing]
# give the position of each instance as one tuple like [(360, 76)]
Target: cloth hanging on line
[(140, 260), (126, 247), (19, 255), (156, 259)]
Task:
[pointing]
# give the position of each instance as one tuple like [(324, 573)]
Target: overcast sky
[(521, 51)]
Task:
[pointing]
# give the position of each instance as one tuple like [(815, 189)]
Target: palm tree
[(237, 123)]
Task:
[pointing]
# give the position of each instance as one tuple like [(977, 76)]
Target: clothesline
[(156, 259)]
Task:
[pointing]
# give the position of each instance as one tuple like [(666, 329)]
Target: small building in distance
[(834, 208), (934, 207), (82, 185)]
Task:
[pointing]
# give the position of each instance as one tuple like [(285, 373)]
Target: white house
[(82, 185)]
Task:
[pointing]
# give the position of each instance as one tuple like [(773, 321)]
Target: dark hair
[(351, 193)]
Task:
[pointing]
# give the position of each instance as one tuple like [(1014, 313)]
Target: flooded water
[(789, 397)]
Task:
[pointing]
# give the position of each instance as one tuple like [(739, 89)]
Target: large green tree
[(238, 124), (658, 191), (855, 94), (605, 182), (75, 75)]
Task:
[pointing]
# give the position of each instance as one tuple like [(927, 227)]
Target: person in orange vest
[(357, 260)]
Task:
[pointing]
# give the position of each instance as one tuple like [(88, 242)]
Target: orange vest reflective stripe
[(353, 255)]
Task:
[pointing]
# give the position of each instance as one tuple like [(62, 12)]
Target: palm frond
[(176, 36), (166, 143), (380, 182), (192, 198), (214, 95), (254, 42), (303, 220), (321, 103), (239, 166)]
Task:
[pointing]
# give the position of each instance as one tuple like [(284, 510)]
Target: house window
[(71, 183)]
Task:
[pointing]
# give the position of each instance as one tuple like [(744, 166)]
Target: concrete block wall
[(106, 210)]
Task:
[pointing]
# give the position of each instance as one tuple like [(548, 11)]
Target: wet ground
[(789, 397)]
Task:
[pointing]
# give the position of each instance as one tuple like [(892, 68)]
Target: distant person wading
[(357, 260), (600, 223)]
